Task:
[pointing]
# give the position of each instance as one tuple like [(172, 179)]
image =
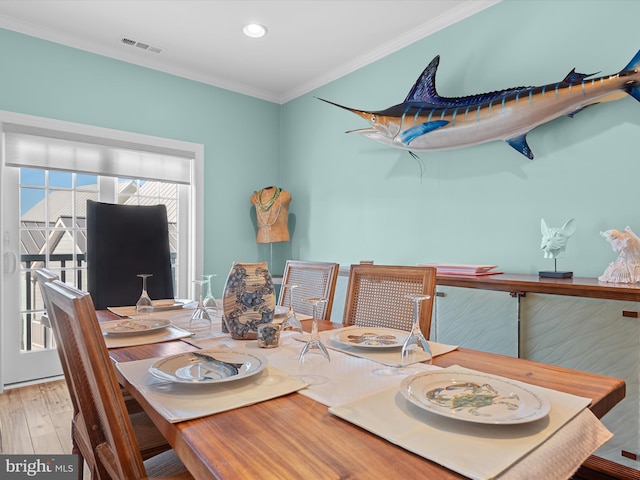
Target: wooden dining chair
[(111, 447), (150, 440), (377, 296), (124, 241), (313, 279), (79, 441)]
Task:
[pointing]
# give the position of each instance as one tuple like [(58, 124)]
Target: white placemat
[(178, 402), (482, 451), (156, 336)]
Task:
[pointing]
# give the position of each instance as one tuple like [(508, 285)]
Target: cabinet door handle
[(630, 314), (441, 294)]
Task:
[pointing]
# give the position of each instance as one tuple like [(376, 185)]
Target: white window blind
[(37, 147)]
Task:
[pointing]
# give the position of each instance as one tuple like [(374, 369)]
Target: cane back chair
[(113, 449), (377, 296), (313, 279), (150, 440)]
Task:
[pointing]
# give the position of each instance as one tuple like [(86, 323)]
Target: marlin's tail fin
[(634, 64)]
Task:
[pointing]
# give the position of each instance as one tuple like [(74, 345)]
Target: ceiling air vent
[(141, 45)]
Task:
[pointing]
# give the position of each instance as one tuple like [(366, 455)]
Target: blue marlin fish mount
[(426, 121)]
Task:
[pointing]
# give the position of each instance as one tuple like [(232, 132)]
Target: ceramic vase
[(248, 301)]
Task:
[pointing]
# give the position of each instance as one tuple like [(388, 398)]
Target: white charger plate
[(280, 311), (189, 368), (371, 337), (128, 326), (474, 397), (168, 304)]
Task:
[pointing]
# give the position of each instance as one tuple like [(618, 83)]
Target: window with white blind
[(49, 170)]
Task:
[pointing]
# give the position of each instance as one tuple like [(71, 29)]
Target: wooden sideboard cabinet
[(577, 323)]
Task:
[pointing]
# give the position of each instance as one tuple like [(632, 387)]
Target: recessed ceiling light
[(254, 30)]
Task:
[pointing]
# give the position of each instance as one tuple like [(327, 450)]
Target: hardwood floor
[(36, 419)]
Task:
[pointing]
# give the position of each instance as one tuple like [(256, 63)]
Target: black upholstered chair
[(122, 242)]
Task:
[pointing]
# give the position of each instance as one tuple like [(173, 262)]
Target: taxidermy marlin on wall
[(426, 121)]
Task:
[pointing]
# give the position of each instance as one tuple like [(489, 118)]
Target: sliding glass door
[(43, 225)]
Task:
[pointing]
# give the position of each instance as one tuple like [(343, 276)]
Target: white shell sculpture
[(626, 269), (554, 240)]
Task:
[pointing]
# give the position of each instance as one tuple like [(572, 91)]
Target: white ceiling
[(309, 43)]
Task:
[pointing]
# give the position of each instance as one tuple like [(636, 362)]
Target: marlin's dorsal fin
[(575, 77), (424, 90)]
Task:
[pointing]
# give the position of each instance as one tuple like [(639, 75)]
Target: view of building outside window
[(53, 232)]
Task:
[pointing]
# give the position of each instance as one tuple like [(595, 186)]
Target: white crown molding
[(146, 59), (453, 16)]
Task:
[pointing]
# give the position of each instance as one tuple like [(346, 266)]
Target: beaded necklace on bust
[(263, 220), (266, 206)]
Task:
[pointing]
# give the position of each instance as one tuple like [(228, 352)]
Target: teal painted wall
[(240, 133), (356, 199)]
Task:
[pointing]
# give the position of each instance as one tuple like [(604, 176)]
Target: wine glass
[(144, 305), (200, 313), (314, 346), (415, 342), (292, 320), (209, 301)]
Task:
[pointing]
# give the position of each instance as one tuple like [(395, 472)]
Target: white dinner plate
[(133, 325), (474, 397), (169, 304), (371, 337), (280, 311), (208, 366)]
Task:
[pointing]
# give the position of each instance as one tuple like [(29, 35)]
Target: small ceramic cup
[(268, 335)]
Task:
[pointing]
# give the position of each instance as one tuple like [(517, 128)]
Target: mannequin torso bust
[(272, 213)]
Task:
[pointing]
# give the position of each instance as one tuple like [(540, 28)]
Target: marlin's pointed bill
[(425, 121)]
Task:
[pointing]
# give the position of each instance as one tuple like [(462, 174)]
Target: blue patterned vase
[(248, 300)]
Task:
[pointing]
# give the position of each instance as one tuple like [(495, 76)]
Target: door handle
[(10, 262)]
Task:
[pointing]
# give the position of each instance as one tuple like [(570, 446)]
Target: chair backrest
[(43, 276), (122, 242), (93, 378), (79, 435), (314, 279), (377, 296)]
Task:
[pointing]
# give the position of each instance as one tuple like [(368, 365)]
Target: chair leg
[(76, 451)]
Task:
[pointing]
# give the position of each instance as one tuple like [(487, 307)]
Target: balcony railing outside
[(71, 269), (34, 334)]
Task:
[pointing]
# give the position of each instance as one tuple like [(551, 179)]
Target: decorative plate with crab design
[(474, 397), (371, 337)]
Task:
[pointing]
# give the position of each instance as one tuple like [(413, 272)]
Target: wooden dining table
[(294, 436)]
